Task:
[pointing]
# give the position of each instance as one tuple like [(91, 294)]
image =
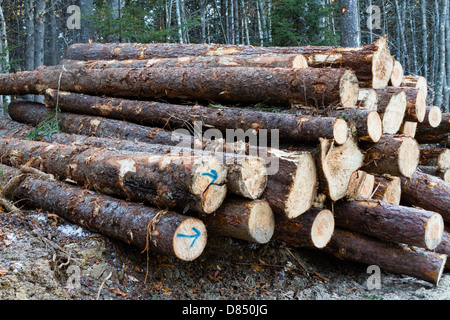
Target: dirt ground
[(45, 258)]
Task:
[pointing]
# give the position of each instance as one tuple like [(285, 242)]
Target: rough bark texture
[(428, 192), (163, 180), (273, 86), (428, 134), (389, 222), (443, 174), (391, 257), (444, 246), (112, 217), (416, 102), (438, 157)]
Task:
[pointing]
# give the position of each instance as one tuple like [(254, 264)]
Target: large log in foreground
[(391, 257), (273, 86), (166, 181), (391, 222), (372, 63), (146, 227)]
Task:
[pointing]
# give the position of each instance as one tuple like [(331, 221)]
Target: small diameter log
[(292, 182), (409, 128), (242, 219), (150, 113), (443, 174), (437, 157), (273, 86), (415, 102), (360, 186), (388, 189), (428, 134), (112, 217), (367, 99), (372, 63), (389, 222), (314, 229), (433, 116), (295, 61), (415, 81), (397, 75), (391, 257), (165, 181), (428, 192), (392, 108), (396, 155), (444, 246), (246, 177)]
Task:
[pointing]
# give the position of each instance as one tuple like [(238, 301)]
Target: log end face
[(340, 131), (261, 224), (434, 116), (299, 62), (374, 126), (394, 113), (397, 74), (322, 228), (252, 178), (189, 239), (408, 156), (382, 65), (349, 89), (421, 106), (434, 231)]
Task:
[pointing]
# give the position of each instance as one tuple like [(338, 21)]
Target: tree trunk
[(4, 58), (314, 229), (388, 189), (150, 113), (112, 217), (165, 181), (428, 192), (415, 102), (360, 186), (307, 86), (423, 8), (389, 222), (438, 157), (392, 109), (29, 39), (394, 154), (444, 246), (428, 134), (438, 100), (391, 257), (443, 174), (372, 63), (349, 20), (53, 42)]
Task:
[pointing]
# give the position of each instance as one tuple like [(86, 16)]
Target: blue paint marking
[(212, 174), (193, 236)]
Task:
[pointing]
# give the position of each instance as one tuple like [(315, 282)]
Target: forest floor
[(45, 258)]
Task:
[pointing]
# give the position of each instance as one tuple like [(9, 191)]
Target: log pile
[(330, 149)]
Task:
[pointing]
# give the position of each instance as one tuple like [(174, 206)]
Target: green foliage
[(47, 127)]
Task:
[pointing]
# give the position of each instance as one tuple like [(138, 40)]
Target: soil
[(43, 257)]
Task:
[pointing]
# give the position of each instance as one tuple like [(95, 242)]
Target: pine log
[(388, 189), (314, 228), (246, 177), (428, 192), (391, 257), (444, 246), (396, 155), (392, 108), (415, 102), (151, 113), (439, 134), (367, 99), (397, 75), (443, 174), (112, 217), (433, 116), (389, 222), (165, 181), (295, 61), (361, 185), (415, 81), (242, 219), (438, 157), (272, 86), (409, 128), (372, 63)]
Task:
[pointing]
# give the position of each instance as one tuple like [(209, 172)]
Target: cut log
[(415, 102), (295, 61), (272, 86), (290, 127), (439, 134), (391, 257), (372, 63), (433, 116), (392, 108), (409, 128), (389, 222), (165, 181), (367, 99), (388, 189), (112, 217), (360, 186), (443, 174), (396, 155), (438, 157), (243, 219), (444, 246), (314, 228), (397, 75), (428, 192), (415, 81)]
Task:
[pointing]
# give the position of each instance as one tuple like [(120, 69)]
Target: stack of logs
[(159, 144)]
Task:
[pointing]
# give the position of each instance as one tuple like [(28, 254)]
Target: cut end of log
[(349, 89), (368, 99), (408, 156), (387, 189), (209, 182), (252, 178), (374, 126), (189, 239), (382, 65), (394, 113), (397, 74), (340, 131), (421, 105), (434, 116), (434, 230), (299, 62), (361, 185), (322, 228), (261, 222)]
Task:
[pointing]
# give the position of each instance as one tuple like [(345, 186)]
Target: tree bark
[(438, 157), (165, 181), (389, 222), (308, 86), (443, 174), (388, 189), (360, 186), (349, 20), (112, 217), (415, 102), (428, 192), (428, 134), (392, 257)]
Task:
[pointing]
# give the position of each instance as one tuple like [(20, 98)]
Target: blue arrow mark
[(193, 236), (212, 175)]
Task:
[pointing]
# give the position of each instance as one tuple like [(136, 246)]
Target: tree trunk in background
[(4, 50), (53, 43), (87, 10), (438, 99), (350, 34), (29, 39), (424, 38), (447, 51), (39, 38)]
